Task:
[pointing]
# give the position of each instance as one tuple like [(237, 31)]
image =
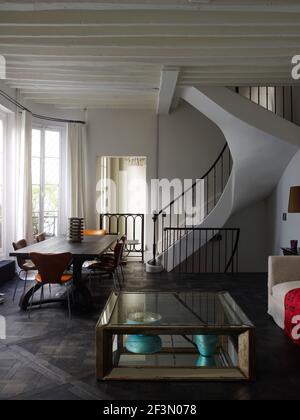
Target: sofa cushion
[(280, 290)]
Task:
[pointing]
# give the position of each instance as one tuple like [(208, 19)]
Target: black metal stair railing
[(177, 213), (276, 99), (201, 250)]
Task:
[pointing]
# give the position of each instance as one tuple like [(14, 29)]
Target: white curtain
[(76, 166), (23, 199), (123, 182), (128, 175)]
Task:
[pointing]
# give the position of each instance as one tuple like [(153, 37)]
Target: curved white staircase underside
[(261, 144)]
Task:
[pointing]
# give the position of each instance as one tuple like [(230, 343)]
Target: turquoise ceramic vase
[(140, 343), (206, 344), (205, 361)]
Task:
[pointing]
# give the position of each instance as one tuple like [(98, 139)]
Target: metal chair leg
[(122, 271), (31, 301), (116, 279), (69, 304), (17, 282), (26, 275), (72, 293), (41, 295)]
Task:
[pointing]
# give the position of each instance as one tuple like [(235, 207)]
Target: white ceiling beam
[(69, 88), (245, 76), (45, 77), (148, 43), (164, 53), (80, 102), (155, 17), (188, 31), (71, 83), (246, 82), (86, 71), (257, 5), (87, 67), (103, 62), (168, 82), (104, 106), (111, 55)]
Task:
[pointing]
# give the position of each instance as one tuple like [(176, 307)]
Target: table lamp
[(294, 207), (294, 201)]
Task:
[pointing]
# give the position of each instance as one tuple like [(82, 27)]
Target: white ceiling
[(112, 53)]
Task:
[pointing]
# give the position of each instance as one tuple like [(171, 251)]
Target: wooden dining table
[(88, 249)]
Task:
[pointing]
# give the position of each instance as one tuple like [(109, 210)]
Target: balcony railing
[(48, 225), (129, 224)]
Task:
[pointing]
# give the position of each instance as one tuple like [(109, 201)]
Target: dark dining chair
[(51, 268), (96, 233), (24, 265), (41, 237), (109, 256), (110, 265)]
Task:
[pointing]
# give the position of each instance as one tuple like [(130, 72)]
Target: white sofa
[(284, 276)]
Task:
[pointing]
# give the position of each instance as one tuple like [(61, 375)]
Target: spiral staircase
[(260, 144)]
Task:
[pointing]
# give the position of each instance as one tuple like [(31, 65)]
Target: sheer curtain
[(76, 167), (122, 190), (23, 193), (123, 179)]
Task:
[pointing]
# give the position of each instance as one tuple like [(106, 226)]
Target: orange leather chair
[(94, 232), (51, 269)]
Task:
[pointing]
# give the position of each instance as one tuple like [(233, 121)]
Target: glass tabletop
[(191, 308)]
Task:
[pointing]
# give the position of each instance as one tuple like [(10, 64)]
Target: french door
[(46, 179), (2, 174)]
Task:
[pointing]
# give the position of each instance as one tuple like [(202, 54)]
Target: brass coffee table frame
[(107, 361)]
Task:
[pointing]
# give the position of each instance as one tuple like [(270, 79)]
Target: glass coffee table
[(174, 336)]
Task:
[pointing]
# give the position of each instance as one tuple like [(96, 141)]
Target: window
[(2, 134), (46, 179)]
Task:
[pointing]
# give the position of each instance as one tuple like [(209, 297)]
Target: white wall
[(253, 245), (119, 133), (188, 145), (282, 232)]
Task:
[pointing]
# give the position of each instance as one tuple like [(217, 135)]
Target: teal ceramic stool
[(206, 344), (140, 343)]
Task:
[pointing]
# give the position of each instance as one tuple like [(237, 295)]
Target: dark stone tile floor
[(48, 357)]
